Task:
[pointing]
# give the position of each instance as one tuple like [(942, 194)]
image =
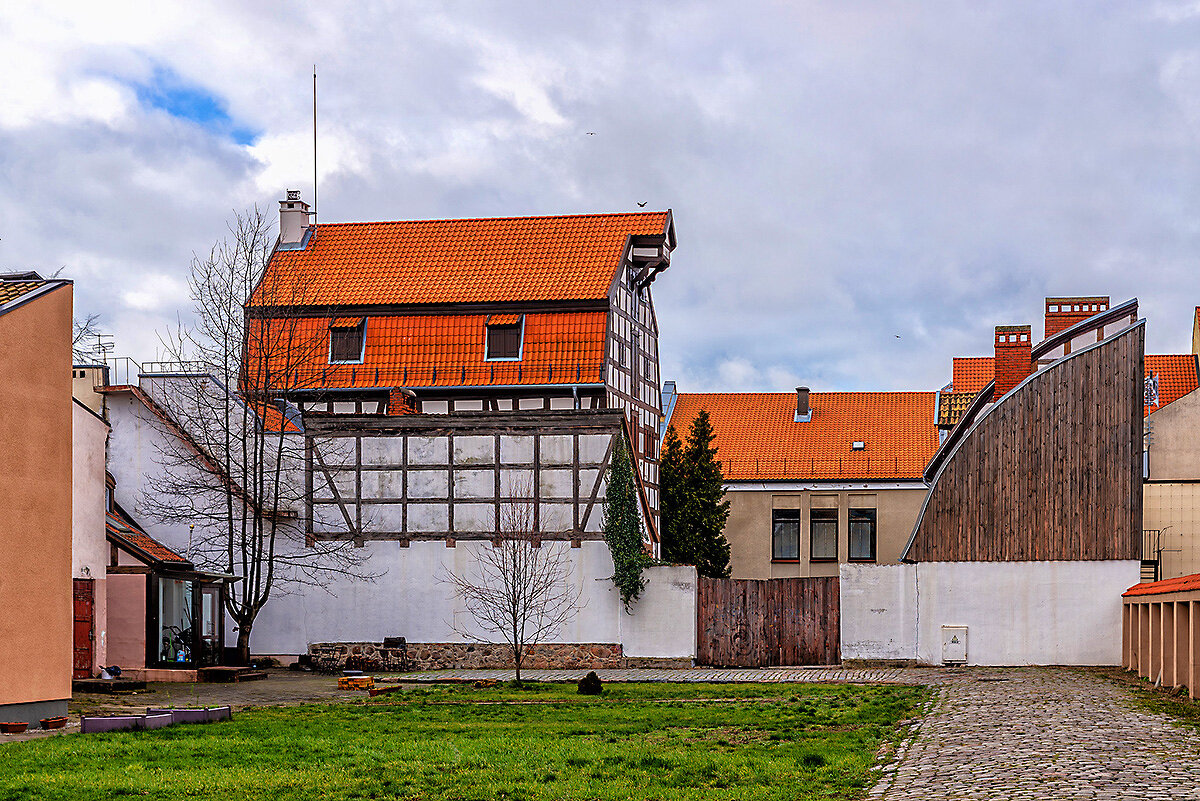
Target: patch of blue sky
[(168, 92)]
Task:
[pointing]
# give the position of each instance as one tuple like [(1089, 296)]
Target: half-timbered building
[(529, 323)]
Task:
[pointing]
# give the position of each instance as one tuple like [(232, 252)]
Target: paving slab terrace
[(1045, 733)]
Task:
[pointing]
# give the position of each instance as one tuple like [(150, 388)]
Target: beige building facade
[(1171, 505), (816, 480), (765, 520), (35, 529)]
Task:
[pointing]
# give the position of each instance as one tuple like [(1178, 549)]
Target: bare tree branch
[(519, 589), (232, 461)]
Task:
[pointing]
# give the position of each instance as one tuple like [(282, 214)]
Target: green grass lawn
[(665, 741)]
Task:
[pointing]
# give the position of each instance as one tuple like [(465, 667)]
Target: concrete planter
[(96, 725), (199, 715), (182, 715)]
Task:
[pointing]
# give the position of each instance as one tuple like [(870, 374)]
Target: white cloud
[(156, 293), (860, 191)]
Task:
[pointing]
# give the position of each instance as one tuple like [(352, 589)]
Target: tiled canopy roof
[(1177, 376), (125, 531), (448, 350), (952, 406), (757, 437), (511, 259), (1181, 584)]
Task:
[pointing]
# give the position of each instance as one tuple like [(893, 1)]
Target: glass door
[(208, 639), (174, 639)]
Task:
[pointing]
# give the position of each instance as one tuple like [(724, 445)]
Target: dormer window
[(505, 333), (347, 340)]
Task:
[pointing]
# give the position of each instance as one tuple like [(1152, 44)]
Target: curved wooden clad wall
[(1052, 472)]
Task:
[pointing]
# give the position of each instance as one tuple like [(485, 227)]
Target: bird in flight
[(642, 205), (591, 133)]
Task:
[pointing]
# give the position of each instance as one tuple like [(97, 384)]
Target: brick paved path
[(1042, 733)]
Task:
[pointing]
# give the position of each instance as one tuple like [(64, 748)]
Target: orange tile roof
[(952, 406), (1176, 377), (11, 290), (1181, 584), (1176, 373), (972, 373), (124, 529), (757, 437), (503, 319), (508, 259), (448, 350)]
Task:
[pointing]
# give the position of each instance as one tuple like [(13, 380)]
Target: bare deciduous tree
[(86, 339), (232, 457), (520, 588)]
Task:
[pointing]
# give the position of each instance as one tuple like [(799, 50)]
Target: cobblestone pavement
[(824, 675), (1042, 733)]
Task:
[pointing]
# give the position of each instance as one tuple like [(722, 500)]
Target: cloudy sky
[(861, 190)]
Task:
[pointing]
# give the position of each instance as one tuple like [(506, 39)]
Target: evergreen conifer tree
[(623, 527), (694, 508), (671, 493)]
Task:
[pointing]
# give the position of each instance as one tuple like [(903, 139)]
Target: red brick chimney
[(1014, 360), (401, 401), (1062, 313)]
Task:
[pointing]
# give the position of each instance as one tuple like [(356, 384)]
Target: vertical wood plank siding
[(1052, 472), (756, 623)]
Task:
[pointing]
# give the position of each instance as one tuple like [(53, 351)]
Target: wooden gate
[(84, 627), (756, 623)]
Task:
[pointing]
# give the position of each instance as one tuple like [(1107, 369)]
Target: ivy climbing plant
[(623, 527)]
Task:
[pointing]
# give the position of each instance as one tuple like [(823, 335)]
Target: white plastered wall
[(1017, 613), (410, 599)]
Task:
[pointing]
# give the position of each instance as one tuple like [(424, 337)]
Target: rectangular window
[(823, 536), (785, 534), (504, 342), (346, 342), (862, 535)]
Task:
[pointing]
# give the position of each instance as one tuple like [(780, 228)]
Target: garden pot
[(56, 722), (13, 727)]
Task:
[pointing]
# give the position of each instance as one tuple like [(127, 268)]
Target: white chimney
[(293, 220)]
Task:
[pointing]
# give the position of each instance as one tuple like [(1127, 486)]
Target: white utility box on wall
[(954, 645)]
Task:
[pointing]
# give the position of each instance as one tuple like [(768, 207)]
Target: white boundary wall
[(1017, 613), (410, 601)]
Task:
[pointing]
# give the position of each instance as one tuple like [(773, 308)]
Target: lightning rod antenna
[(314, 144)]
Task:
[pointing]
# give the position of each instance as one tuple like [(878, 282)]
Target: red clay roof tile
[(448, 350), (509, 259), (1176, 373), (1181, 584), (125, 529), (758, 438)]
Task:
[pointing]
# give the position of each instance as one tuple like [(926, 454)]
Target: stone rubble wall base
[(334, 657)]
